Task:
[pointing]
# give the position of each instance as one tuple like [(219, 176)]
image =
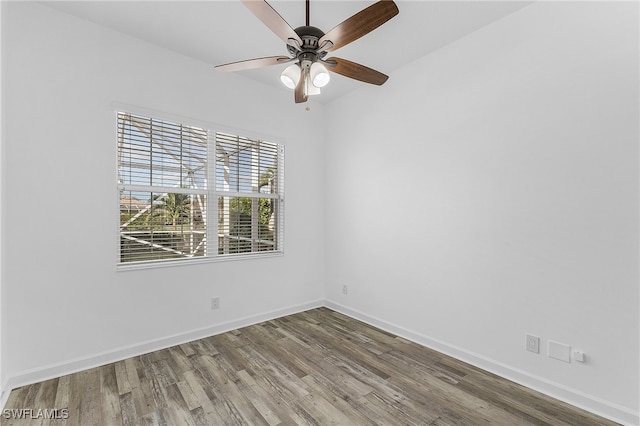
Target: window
[(247, 188), (168, 196)]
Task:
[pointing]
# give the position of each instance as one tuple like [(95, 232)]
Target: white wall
[(491, 190), (3, 396), (69, 307)]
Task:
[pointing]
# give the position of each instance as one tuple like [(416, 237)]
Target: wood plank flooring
[(313, 368)]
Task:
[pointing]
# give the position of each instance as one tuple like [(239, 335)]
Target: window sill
[(154, 264)]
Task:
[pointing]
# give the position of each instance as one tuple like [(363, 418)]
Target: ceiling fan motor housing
[(310, 36)]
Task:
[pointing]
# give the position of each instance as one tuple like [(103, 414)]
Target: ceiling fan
[(309, 45)]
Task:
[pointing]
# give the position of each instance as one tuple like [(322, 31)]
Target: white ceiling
[(218, 32)]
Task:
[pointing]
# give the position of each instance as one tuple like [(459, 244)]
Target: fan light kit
[(309, 45), (290, 76)]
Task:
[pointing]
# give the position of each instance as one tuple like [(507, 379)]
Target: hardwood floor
[(313, 368)]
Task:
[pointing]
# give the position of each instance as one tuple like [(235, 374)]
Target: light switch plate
[(559, 351)]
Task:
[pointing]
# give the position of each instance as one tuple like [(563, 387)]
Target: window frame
[(212, 193)]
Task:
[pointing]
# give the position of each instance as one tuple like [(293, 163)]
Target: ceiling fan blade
[(253, 63), (360, 24), (299, 92), (272, 19), (355, 71)]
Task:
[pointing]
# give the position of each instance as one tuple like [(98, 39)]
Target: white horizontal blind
[(249, 192), (167, 193), (162, 181)]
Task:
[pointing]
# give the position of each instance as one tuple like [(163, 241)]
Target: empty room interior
[(187, 240)]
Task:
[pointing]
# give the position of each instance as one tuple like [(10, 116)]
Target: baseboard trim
[(4, 395), (35, 375), (609, 410)]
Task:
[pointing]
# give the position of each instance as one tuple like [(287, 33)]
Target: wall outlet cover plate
[(533, 343), (559, 351)]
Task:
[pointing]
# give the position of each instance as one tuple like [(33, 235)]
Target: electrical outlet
[(345, 289), (533, 343), (215, 303)]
